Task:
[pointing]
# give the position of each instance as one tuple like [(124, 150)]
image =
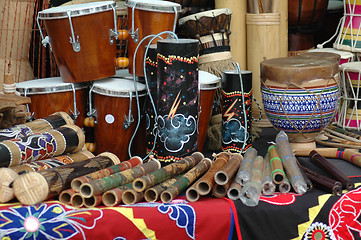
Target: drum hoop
[(154, 8), (210, 86), (114, 93), (50, 89), (47, 14), (210, 13)]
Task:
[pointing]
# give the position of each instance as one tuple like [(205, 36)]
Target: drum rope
[(246, 136)]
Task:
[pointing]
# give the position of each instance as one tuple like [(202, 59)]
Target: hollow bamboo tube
[(35, 187), (219, 190), (77, 200), (224, 175), (131, 196), (77, 182), (244, 171), (65, 196), (204, 186), (234, 191), (102, 185), (152, 194), (277, 171), (113, 197), (93, 201), (192, 194), (166, 172), (285, 186), (185, 180), (268, 186)]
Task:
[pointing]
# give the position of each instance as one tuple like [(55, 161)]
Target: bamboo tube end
[(166, 196), (65, 196), (150, 195), (31, 188), (77, 200), (86, 190), (65, 116), (76, 183), (7, 176), (112, 157), (192, 195), (112, 197), (92, 201)]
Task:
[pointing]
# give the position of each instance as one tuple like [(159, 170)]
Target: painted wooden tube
[(268, 186), (234, 191), (65, 196), (8, 175), (277, 171), (53, 121), (114, 196), (152, 194), (166, 172), (332, 170), (131, 196), (35, 187), (185, 180), (115, 180), (244, 171), (192, 194), (207, 181), (224, 175), (77, 182), (93, 201), (252, 190), (66, 139), (77, 200)]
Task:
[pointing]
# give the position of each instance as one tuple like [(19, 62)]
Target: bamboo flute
[(124, 165), (185, 180), (142, 183), (65, 196), (219, 190), (131, 196), (344, 132), (277, 171), (244, 171), (102, 185), (93, 201), (77, 200), (332, 170), (285, 186), (290, 163), (268, 186), (114, 196), (53, 121), (224, 175), (192, 194), (35, 187), (152, 194), (206, 182), (234, 191), (8, 175), (251, 191)]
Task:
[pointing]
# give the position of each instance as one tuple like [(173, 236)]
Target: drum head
[(118, 87), (343, 54), (351, 67), (208, 81), (209, 14), (76, 10), (153, 5), (47, 85)]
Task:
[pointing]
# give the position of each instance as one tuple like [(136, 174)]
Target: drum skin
[(96, 58)]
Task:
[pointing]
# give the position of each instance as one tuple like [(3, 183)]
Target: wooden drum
[(208, 85), (116, 110), (300, 95), (150, 17), (82, 37), (344, 56), (50, 95)]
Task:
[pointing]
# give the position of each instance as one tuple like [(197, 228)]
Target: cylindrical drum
[(82, 39), (208, 85), (116, 108), (236, 111), (345, 56), (148, 17), (49, 95), (151, 99), (177, 98), (300, 95)]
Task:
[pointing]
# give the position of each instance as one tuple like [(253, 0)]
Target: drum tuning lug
[(76, 44), (127, 121), (112, 34), (46, 41), (134, 35)]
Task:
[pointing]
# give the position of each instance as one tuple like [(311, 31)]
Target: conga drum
[(82, 37), (349, 115), (148, 17), (117, 114), (50, 95), (300, 96), (208, 86)]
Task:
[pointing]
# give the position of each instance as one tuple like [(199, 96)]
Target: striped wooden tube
[(35, 187), (53, 121), (223, 176), (77, 200), (65, 196), (93, 201), (185, 180), (114, 196), (152, 194), (8, 175), (66, 139), (115, 180), (166, 172), (77, 182), (207, 181), (277, 171), (131, 196), (234, 191)]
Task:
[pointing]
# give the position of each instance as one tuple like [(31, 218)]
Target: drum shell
[(147, 23), (96, 58), (306, 14)]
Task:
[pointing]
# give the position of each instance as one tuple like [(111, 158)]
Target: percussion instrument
[(147, 17), (236, 111), (57, 96), (82, 37), (178, 92), (122, 42), (16, 24), (208, 85), (344, 55), (117, 114), (300, 95), (349, 33), (349, 115)]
